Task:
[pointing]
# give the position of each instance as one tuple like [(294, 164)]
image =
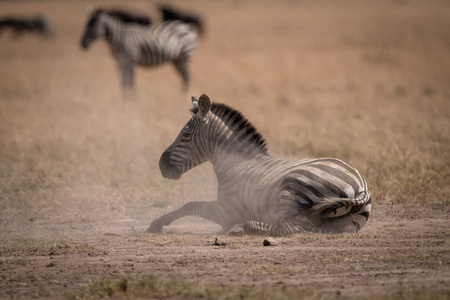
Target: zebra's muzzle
[(168, 170), (85, 43)]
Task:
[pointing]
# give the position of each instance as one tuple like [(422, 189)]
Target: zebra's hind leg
[(256, 228), (285, 227), (126, 70), (211, 211)]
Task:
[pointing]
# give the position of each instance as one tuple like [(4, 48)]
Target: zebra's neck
[(223, 161), (233, 145), (114, 31), (230, 138)]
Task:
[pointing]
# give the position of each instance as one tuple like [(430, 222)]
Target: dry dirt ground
[(402, 249), (368, 82)]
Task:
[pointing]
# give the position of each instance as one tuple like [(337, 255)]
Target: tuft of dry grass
[(153, 287), (128, 287)]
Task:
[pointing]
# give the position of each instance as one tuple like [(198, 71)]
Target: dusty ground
[(79, 179), (402, 249)]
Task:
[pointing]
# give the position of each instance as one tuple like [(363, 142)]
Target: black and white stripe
[(136, 44), (266, 195)]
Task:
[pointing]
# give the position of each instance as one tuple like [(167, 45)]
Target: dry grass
[(153, 287), (374, 97)]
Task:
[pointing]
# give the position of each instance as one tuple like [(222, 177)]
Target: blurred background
[(364, 81)]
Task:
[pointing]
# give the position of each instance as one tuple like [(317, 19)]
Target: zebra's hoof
[(154, 228)]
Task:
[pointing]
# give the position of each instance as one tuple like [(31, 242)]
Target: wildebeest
[(169, 13), (20, 25), (127, 16)]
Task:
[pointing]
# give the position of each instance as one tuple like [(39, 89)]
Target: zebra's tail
[(341, 210)]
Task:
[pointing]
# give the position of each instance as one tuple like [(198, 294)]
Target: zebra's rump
[(167, 42), (326, 187)]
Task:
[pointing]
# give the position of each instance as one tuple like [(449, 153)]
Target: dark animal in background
[(20, 25), (169, 14), (128, 17), (264, 194), (133, 44)]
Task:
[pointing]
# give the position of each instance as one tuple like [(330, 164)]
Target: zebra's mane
[(125, 16), (238, 124)]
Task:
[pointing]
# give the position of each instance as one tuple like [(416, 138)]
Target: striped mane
[(238, 124)]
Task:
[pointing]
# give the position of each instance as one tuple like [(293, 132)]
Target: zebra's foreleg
[(182, 66), (209, 210)]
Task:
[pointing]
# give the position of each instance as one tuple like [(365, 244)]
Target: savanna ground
[(365, 81)]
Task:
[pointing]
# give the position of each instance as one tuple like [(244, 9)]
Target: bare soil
[(401, 249), (364, 81)]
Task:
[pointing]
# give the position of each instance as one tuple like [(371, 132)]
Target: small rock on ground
[(219, 242), (270, 242)]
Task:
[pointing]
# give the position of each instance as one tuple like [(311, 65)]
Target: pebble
[(270, 242), (219, 242), (111, 234)]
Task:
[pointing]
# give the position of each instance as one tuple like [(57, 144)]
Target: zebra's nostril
[(164, 161), (168, 170), (84, 43)]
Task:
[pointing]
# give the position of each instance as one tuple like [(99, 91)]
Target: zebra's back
[(162, 43)]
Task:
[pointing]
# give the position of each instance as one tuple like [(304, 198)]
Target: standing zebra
[(136, 44), (266, 195)]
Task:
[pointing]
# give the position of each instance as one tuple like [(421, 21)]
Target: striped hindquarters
[(326, 187), (169, 41)]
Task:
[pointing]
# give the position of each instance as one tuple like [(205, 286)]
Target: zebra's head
[(185, 152), (94, 28)]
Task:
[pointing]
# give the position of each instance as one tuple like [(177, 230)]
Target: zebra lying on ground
[(266, 195), (134, 44), (19, 25)]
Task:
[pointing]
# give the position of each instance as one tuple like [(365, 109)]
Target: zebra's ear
[(89, 10), (204, 105), (194, 102)]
